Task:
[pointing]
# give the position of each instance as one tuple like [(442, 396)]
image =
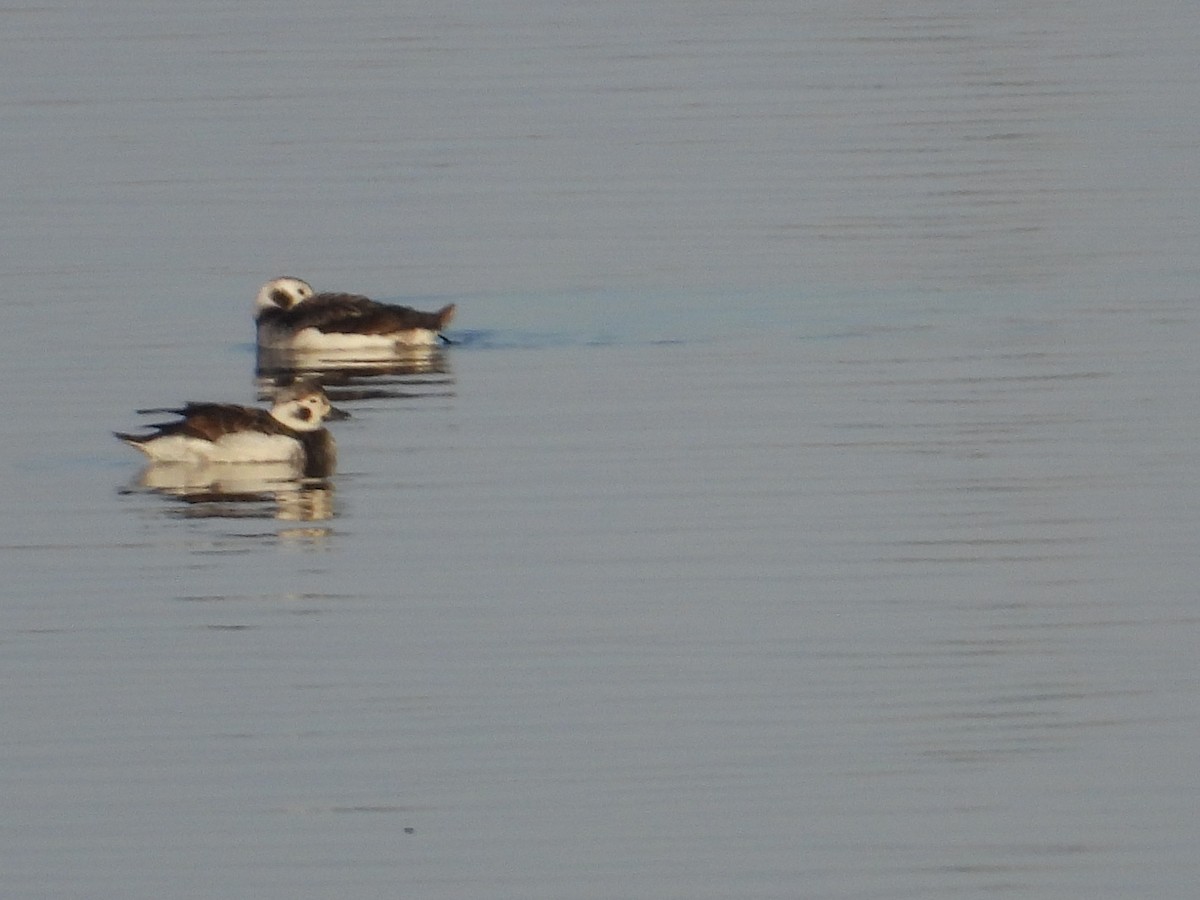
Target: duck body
[(290, 432), (289, 315)]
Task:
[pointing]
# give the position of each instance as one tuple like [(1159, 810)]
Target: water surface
[(806, 507)]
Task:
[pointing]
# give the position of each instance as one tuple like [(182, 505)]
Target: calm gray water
[(807, 509)]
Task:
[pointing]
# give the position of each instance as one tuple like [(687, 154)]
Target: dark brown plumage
[(209, 421)]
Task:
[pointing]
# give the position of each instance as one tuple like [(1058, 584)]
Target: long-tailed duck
[(291, 432), (290, 316)]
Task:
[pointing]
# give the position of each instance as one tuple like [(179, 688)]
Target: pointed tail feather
[(136, 441)]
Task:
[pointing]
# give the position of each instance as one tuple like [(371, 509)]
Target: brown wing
[(342, 313), (210, 421)]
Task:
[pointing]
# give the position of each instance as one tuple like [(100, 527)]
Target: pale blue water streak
[(808, 507)]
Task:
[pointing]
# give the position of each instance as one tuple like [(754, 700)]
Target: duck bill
[(335, 414)]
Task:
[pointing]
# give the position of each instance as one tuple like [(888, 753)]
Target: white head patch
[(282, 293), (301, 408)]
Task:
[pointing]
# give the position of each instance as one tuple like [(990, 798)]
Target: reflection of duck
[(239, 490), (281, 366), (290, 315), (291, 432), (352, 375)]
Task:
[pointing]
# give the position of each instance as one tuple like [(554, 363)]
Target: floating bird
[(290, 316), (292, 431)]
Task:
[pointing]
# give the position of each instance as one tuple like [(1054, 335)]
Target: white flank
[(241, 447), (311, 339)]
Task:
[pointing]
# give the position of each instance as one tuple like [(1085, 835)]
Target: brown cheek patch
[(304, 414), (281, 299)]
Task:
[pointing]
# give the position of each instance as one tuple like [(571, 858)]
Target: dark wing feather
[(210, 421), (342, 313)]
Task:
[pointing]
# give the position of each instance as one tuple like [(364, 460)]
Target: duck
[(289, 315), (292, 431)]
